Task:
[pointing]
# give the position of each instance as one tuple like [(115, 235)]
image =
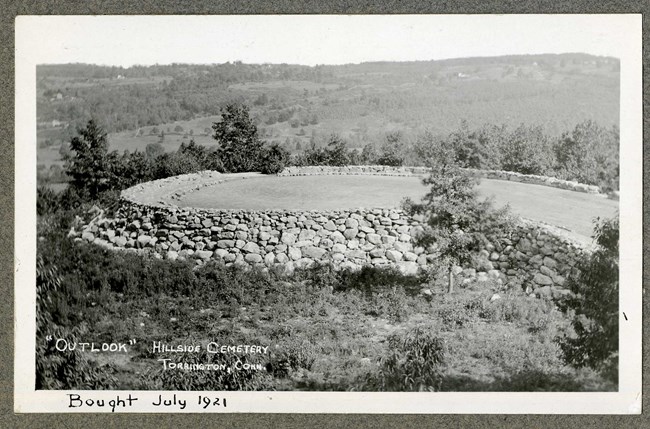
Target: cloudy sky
[(314, 39)]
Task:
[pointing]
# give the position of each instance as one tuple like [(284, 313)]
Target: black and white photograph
[(320, 213)]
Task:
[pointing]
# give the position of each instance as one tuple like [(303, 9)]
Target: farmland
[(298, 105)]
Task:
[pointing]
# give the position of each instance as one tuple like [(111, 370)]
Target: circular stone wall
[(150, 221), (563, 208)]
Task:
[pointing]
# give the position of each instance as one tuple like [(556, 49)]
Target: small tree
[(458, 222), (195, 151), (240, 149), (337, 153), (527, 150), (369, 154), (390, 150), (153, 150), (595, 303), (89, 163), (275, 159), (589, 154)]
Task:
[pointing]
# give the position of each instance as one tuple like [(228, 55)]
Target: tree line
[(587, 154)]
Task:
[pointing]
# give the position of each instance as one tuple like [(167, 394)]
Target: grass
[(571, 210), (574, 211), (297, 192)]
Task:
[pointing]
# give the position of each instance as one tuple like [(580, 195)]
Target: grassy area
[(306, 192), (571, 210), (324, 330)]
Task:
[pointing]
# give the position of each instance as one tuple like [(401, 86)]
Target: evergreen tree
[(457, 221), (337, 153), (89, 163), (240, 149)]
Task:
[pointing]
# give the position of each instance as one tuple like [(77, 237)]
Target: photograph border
[(505, 398)]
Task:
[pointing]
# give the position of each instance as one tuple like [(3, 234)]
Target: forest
[(299, 106)]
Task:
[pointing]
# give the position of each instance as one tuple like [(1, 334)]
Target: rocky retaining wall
[(534, 255), (421, 171)]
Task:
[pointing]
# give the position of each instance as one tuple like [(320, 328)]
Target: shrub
[(274, 159), (69, 370), (589, 154), (414, 363), (295, 354), (391, 304), (335, 154), (47, 201), (595, 303), (55, 369)]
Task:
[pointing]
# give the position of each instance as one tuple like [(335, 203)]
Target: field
[(573, 211), (295, 105)]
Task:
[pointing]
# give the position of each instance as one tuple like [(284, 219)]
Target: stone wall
[(538, 256), (421, 171)]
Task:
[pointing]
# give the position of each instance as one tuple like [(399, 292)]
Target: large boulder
[(350, 233), (542, 280), (251, 247), (144, 240), (337, 237), (373, 238), (408, 268), (339, 248), (269, 258), (388, 239), (88, 236), (224, 244), (253, 258), (264, 236), (351, 223), (394, 255), (313, 252), (203, 254), (306, 234), (288, 238), (281, 258), (295, 253)]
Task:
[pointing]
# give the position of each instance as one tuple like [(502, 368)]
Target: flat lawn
[(307, 192), (573, 211)]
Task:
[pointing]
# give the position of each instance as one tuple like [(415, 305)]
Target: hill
[(294, 105)]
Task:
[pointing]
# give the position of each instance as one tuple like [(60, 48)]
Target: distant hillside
[(295, 104)]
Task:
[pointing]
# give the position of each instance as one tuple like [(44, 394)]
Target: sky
[(311, 39)]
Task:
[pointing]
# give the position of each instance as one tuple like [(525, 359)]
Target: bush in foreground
[(595, 303), (413, 364)]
